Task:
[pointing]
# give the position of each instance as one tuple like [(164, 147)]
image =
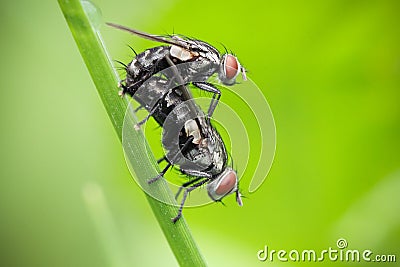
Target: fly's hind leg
[(161, 159), (140, 123)]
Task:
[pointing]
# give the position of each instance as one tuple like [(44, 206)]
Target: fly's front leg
[(202, 175), (212, 89), (186, 185), (122, 92), (187, 191)]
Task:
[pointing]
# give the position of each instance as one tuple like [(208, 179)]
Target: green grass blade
[(88, 39)]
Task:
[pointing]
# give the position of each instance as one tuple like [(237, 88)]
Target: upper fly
[(203, 60)]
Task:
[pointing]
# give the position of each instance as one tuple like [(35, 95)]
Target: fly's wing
[(156, 38), (195, 47)]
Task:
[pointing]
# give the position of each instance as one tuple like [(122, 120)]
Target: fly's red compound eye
[(231, 67), (224, 185), (227, 184)]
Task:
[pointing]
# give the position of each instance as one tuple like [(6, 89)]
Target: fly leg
[(124, 88), (187, 191), (138, 108), (131, 89), (161, 159), (161, 174), (186, 185), (154, 109), (212, 89)]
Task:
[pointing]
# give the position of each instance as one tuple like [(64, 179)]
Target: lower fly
[(189, 139)]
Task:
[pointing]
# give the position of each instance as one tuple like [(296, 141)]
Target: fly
[(190, 140), (203, 61)]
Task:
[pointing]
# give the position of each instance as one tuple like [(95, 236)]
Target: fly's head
[(225, 184), (229, 69)]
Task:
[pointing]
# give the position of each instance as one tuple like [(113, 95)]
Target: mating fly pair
[(158, 78)]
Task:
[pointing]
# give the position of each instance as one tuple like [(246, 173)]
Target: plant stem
[(83, 27)]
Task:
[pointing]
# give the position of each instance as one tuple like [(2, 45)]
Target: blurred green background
[(330, 71)]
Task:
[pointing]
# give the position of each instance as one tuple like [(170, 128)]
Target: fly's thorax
[(206, 51), (201, 70), (192, 129), (182, 54), (205, 155)]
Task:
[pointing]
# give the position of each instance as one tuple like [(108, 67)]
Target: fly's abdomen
[(145, 65)]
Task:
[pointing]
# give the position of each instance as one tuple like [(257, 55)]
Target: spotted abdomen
[(145, 64)]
